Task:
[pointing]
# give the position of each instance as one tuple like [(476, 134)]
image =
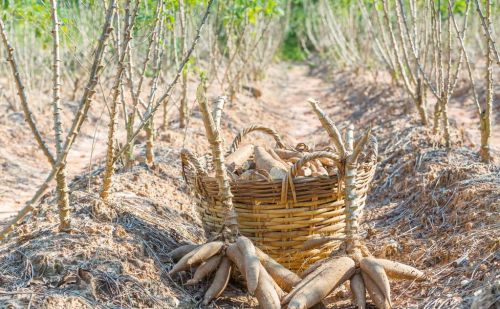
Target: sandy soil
[(23, 167)]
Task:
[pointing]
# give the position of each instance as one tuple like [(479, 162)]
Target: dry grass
[(437, 210), (116, 256)]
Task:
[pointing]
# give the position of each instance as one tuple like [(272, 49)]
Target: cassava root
[(221, 259), (367, 275), (265, 161)]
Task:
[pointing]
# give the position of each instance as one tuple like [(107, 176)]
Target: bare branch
[(215, 140), (383, 53), (399, 9), (28, 115), (217, 110), (330, 127), (461, 38), (397, 56), (167, 93), (485, 116), (110, 158), (487, 31), (77, 121), (467, 63), (417, 60)]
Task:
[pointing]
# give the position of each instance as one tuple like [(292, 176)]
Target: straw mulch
[(116, 255), (437, 210)]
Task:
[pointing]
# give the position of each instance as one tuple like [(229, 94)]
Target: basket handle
[(372, 148), (245, 131), (313, 156), (372, 152), (187, 157)]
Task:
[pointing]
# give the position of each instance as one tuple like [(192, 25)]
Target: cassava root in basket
[(352, 261), (239, 157), (229, 250), (275, 156), (253, 175), (251, 162), (265, 161)]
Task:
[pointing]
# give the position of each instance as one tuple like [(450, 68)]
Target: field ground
[(428, 207)]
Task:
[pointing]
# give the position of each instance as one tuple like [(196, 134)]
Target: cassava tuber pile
[(365, 273), (251, 162), (265, 278)]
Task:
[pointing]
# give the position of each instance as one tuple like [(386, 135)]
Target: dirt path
[(289, 87), (286, 97), (23, 173)]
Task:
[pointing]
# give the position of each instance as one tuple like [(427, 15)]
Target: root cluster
[(269, 281), (365, 273), (265, 278)]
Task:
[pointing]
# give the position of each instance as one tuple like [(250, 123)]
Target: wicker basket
[(278, 216)]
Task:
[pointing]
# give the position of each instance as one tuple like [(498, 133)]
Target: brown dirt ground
[(433, 208)]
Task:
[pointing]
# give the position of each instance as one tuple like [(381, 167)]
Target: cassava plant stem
[(149, 129), (485, 116), (217, 110), (62, 187), (484, 150), (215, 139), (446, 86), (183, 107), (486, 23), (137, 92), (400, 68), (351, 199), (167, 93), (330, 127), (127, 33), (419, 97)]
